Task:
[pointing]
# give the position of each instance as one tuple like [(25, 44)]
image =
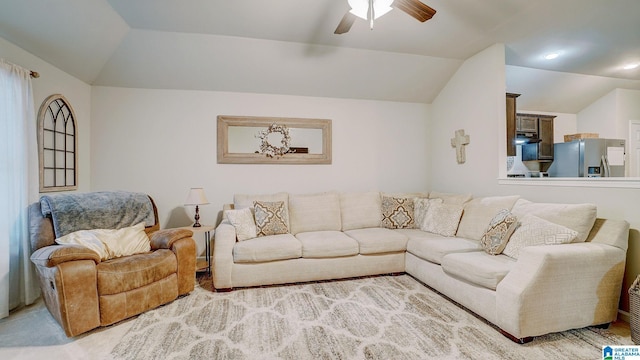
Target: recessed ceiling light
[(631, 66), (551, 56)]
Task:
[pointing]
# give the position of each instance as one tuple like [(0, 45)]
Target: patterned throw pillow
[(534, 231), (271, 218), (442, 219), (497, 235), (244, 223), (420, 208), (397, 213)]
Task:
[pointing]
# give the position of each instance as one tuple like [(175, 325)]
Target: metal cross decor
[(459, 141)]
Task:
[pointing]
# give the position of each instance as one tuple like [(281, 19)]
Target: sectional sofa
[(528, 268)]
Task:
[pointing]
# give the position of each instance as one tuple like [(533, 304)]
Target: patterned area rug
[(386, 317)]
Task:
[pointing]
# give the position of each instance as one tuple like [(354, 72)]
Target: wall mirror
[(273, 140)]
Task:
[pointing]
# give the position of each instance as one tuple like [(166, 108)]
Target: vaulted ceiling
[(288, 46)]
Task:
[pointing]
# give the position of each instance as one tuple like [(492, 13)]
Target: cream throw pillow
[(109, 243), (244, 223), (420, 208), (442, 219), (498, 232), (533, 231), (577, 217)]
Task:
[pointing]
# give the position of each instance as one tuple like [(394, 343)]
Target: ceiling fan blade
[(415, 8), (345, 24)]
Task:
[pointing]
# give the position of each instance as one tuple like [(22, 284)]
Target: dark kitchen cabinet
[(541, 148), (511, 124)]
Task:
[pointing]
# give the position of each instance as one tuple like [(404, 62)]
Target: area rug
[(386, 317)]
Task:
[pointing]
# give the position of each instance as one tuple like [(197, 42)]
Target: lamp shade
[(196, 197)]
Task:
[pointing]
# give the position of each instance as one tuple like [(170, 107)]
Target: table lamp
[(196, 197)]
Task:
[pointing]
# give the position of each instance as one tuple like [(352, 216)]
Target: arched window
[(58, 144)]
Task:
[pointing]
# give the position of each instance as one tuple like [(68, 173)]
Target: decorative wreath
[(270, 150)]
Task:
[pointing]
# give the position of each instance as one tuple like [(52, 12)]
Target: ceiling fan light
[(360, 8)]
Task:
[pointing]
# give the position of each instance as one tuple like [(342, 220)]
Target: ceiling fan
[(373, 9)]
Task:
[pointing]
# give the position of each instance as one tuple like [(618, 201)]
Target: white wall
[(473, 100), (601, 117), (163, 142), (54, 81)]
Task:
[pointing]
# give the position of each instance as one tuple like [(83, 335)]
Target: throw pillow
[(533, 231), (420, 208), (271, 218), (442, 219), (110, 243), (397, 213), (244, 223), (497, 234)]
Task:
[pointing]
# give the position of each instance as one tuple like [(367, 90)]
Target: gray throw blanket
[(96, 210)]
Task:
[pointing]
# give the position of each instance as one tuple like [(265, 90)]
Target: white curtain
[(18, 187)]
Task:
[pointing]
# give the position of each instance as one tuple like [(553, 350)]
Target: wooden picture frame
[(251, 127)]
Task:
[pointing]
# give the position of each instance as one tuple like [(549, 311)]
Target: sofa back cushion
[(578, 217), (478, 213), (360, 210), (450, 198), (314, 212)]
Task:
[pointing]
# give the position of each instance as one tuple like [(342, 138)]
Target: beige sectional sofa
[(556, 267)]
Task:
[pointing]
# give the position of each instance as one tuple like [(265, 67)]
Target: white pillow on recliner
[(110, 243)]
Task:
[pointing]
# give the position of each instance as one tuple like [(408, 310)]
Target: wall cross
[(459, 141)]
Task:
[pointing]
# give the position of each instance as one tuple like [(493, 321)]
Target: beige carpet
[(387, 317)]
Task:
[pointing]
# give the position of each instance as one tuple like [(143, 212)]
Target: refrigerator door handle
[(605, 165)]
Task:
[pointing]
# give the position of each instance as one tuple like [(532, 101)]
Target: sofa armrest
[(185, 251), (53, 255), (164, 239), (225, 239), (556, 286)]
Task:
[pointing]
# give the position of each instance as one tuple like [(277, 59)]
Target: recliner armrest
[(50, 256), (163, 239)]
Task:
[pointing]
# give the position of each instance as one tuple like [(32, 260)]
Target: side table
[(206, 230)]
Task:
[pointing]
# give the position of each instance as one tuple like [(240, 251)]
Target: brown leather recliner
[(82, 292)]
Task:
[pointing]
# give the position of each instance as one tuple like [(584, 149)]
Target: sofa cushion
[(132, 272), (267, 248), (432, 247), (478, 214), (450, 198), (442, 219), (378, 240), (271, 218), (397, 213), (478, 268), (578, 217), (498, 232), (532, 231), (326, 244), (243, 221), (360, 210), (314, 212)]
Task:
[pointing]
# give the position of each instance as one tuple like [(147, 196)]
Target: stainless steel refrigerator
[(588, 158)]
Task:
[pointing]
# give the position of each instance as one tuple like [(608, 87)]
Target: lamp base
[(197, 218)]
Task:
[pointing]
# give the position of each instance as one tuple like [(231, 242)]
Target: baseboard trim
[(624, 316)]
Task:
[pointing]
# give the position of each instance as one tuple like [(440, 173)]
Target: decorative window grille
[(58, 144)]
